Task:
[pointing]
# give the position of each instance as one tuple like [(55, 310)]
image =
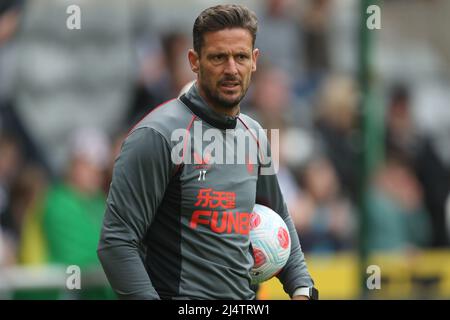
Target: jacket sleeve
[(141, 174), (295, 273)]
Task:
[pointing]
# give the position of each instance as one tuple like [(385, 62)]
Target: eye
[(241, 57), (218, 58)]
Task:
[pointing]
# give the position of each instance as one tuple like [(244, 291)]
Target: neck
[(232, 112)]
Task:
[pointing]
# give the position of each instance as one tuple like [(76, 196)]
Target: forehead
[(228, 39)]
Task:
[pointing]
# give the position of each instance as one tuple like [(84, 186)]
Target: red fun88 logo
[(223, 221)]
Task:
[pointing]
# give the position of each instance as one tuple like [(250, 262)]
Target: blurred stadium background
[(364, 121)]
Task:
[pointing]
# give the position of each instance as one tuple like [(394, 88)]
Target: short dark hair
[(223, 17)]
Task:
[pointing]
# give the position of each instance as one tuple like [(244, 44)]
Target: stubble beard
[(213, 95)]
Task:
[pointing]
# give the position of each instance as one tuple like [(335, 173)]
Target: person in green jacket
[(73, 211)]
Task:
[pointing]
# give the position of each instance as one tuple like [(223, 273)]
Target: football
[(270, 241)]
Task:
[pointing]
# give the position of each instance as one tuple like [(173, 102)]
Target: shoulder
[(249, 122), (165, 119), (255, 128)]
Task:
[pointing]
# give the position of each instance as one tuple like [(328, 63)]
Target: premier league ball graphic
[(271, 243)]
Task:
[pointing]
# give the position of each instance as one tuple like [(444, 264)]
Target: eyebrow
[(214, 54), (219, 53)]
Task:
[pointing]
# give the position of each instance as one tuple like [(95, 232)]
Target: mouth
[(230, 84)]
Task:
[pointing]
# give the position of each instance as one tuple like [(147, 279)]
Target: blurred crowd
[(68, 98)]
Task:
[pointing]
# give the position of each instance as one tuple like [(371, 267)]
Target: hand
[(300, 298)]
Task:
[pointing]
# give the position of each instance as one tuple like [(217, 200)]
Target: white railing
[(14, 278)]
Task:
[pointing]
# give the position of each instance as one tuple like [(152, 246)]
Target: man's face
[(224, 66)]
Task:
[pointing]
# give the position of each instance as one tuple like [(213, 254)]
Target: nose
[(231, 67)]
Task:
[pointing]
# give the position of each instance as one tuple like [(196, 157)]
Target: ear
[(194, 60), (255, 59)]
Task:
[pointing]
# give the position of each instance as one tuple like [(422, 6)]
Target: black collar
[(198, 106)]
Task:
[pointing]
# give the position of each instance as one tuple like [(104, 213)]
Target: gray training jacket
[(171, 231)]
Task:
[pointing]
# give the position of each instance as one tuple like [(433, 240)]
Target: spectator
[(10, 18), (27, 210), (396, 214), (314, 21), (10, 164), (280, 36), (73, 210), (26, 195), (271, 99), (403, 138), (336, 116), (401, 134), (163, 73), (325, 220), (315, 28)]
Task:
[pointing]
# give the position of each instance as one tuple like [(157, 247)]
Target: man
[(179, 230)]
